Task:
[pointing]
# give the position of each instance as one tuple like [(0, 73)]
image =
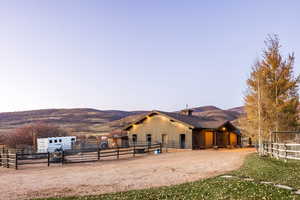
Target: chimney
[(188, 112)]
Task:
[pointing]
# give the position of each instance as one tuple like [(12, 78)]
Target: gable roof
[(191, 121), (196, 121)]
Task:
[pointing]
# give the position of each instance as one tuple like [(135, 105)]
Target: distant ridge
[(92, 121), (76, 120), (215, 112), (205, 108), (238, 109)]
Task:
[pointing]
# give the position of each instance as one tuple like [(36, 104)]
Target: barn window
[(148, 138), (134, 138)]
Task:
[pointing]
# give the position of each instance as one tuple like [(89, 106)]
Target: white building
[(52, 143)]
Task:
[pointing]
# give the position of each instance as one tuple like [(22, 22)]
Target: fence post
[(7, 158), (1, 159), (133, 149), (98, 153), (62, 157), (16, 161), (118, 152), (271, 150), (48, 154), (277, 151), (166, 147), (160, 147), (285, 150)]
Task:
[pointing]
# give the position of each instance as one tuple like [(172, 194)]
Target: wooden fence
[(13, 158), (8, 158), (282, 150)]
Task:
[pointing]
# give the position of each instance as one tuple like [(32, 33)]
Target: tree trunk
[(260, 150)]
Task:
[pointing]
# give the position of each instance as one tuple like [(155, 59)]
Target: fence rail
[(8, 159), (12, 158), (282, 150)]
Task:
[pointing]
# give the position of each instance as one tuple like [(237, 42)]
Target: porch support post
[(215, 138), (228, 138)]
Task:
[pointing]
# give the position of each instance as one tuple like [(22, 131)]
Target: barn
[(183, 130)]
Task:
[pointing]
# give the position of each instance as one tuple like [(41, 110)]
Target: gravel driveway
[(118, 175)]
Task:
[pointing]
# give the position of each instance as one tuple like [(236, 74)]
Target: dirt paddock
[(118, 175)]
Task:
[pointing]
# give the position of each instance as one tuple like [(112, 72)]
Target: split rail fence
[(14, 158), (282, 150)]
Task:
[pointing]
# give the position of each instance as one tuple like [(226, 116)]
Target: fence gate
[(8, 158)]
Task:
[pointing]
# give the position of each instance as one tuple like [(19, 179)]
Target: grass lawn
[(270, 169), (265, 169)]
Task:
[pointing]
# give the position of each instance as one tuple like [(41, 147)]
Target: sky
[(136, 54)]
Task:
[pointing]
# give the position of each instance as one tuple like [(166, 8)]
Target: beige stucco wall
[(158, 125)]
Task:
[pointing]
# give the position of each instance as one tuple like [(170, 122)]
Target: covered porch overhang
[(222, 137)]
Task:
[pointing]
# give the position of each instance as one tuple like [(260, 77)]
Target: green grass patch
[(271, 169), (264, 169)]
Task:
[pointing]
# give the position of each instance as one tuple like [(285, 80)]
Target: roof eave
[(186, 124), (157, 112)]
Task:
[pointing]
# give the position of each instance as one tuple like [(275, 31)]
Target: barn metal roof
[(196, 121), (191, 120)]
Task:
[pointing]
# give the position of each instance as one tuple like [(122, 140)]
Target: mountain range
[(92, 121)]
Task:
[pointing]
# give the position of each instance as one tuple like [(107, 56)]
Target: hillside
[(93, 121), (205, 109), (78, 121), (238, 109), (218, 113)]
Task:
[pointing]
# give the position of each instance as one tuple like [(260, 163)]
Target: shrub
[(27, 135)]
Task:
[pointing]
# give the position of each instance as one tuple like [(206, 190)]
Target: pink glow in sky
[(136, 55)]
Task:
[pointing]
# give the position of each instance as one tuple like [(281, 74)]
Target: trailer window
[(50, 141), (55, 141), (59, 140)]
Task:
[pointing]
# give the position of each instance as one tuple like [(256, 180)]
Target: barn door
[(164, 140), (182, 141)]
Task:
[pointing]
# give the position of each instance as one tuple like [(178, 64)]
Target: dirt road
[(118, 175)]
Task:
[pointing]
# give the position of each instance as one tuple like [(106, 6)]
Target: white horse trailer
[(53, 143)]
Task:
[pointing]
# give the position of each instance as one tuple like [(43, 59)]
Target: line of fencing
[(8, 158), (14, 158), (282, 150)]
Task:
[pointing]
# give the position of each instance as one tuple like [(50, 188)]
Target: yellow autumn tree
[(272, 97)]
